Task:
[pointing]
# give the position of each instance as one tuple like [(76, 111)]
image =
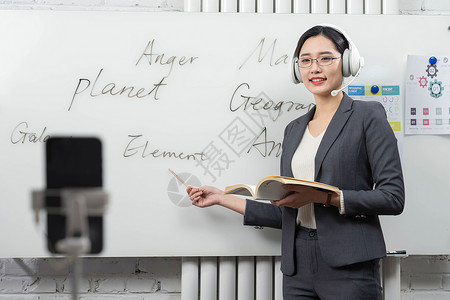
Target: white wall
[(423, 277)]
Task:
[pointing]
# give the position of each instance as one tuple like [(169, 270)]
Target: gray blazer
[(358, 154)]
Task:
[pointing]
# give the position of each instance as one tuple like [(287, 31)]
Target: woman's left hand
[(300, 196)]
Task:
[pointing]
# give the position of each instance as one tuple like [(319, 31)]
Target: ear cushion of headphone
[(296, 76), (346, 63), (355, 61)]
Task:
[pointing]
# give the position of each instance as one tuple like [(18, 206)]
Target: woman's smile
[(317, 80)]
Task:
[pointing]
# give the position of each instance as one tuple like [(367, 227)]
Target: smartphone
[(72, 162)]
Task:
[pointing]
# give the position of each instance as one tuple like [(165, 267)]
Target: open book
[(271, 188)]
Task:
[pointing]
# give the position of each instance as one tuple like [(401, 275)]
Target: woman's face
[(321, 80)]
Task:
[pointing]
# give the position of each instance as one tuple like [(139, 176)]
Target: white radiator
[(369, 7), (231, 278), (256, 278)]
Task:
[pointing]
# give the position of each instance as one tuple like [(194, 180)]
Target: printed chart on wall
[(389, 97), (427, 95)]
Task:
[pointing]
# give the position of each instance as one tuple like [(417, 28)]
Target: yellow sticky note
[(396, 126)]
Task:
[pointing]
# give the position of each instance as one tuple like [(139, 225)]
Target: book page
[(271, 190), (241, 189)]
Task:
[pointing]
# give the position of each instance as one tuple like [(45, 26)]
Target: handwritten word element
[(136, 146), (22, 134), (112, 89)]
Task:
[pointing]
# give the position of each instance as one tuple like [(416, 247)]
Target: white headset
[(352, 61)]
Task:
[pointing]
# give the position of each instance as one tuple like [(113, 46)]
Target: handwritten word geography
[(240, 100)]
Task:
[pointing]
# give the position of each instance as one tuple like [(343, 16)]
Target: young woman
[(331, 243)]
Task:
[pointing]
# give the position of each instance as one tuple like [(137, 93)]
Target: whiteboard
[(207, 95)]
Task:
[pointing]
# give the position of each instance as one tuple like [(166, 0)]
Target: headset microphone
[(361, 64)]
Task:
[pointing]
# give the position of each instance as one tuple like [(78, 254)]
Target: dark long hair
[(338, 39)]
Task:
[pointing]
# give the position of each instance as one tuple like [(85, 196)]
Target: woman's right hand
[(204, 196)]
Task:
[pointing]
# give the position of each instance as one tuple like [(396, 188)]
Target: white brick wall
[(120, 5), (417, 7), (103, 278), (406, 6), (423, 277)]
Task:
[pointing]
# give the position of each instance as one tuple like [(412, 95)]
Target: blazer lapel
[(334, 128)]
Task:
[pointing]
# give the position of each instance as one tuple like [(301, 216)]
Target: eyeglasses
[(321, 61)]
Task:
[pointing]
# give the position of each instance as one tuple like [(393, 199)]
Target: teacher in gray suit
[(331, 242)]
